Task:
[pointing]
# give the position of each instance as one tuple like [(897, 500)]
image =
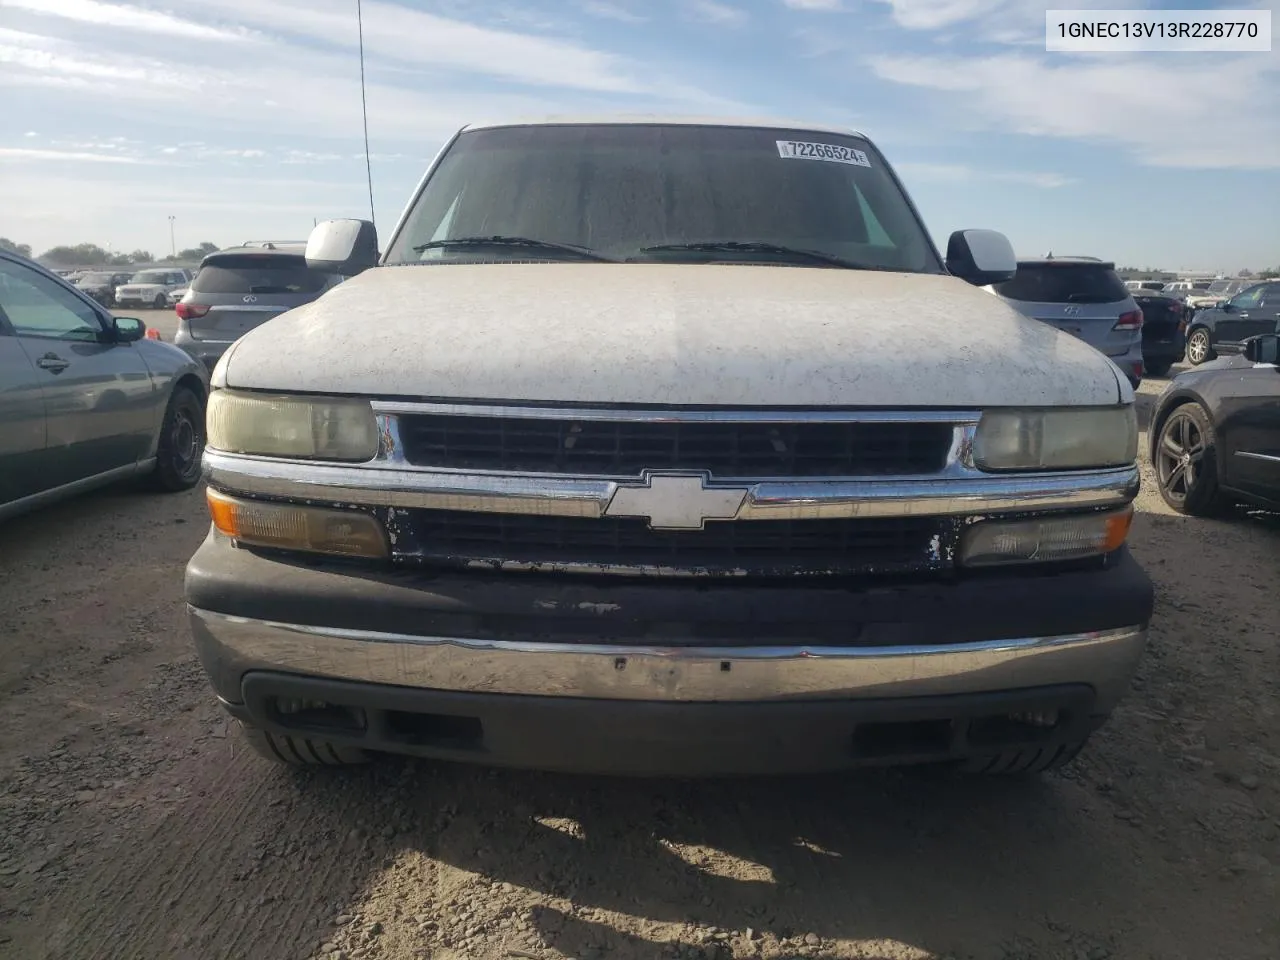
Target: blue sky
[(241, 118)]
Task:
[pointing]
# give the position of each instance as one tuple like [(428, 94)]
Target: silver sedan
[(87, 398)]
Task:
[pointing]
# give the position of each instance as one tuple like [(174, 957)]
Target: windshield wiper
[(796, 254), (583, 253)]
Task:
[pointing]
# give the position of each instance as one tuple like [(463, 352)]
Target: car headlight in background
[(1056, 439), (313, 428), (1045, 539), (291, 526)]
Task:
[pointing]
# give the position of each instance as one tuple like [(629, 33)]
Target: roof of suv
[(641, 119), (282, 249)]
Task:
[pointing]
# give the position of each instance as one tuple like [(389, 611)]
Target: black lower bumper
[(541, 607), (667, 739)]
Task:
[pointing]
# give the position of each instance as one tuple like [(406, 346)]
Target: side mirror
[(127, 329), (1264, 349), (1225, 306), (345, 247), (981, 257)]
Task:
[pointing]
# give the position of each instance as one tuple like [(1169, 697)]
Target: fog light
[(289, 526), (1045, 539)]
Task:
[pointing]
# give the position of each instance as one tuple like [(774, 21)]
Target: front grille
[(756, 547), (626, 448)]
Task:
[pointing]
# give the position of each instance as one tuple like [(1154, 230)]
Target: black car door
[(1248, 314), (1249, 431)]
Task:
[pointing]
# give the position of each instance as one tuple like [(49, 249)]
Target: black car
[(102, 286), (1164, 331), (1222, 329), (1215, 433)]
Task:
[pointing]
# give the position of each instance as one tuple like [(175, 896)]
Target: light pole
[(173, 246)]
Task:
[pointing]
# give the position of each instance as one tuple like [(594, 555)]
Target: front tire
[(181, 443), (1160, 369), (1199, 347), (300, 751), (160, 302), (1186, 462)]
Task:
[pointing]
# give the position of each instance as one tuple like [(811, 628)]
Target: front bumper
[(581, 674)]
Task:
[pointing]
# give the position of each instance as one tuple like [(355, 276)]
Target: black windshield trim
[(503, 241)]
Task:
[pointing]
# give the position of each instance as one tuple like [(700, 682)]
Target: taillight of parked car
[(190, 311), (1129, 321)]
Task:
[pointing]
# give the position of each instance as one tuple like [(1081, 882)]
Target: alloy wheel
[(1198, 347), (1180, 455)]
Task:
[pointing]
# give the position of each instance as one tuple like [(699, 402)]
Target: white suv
[(667, 447), (151, 288)]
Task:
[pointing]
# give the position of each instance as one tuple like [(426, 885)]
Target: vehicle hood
[(682, 334), (141, 286)]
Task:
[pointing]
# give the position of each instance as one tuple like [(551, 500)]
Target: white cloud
[(932, 14), (813, 4), (1141, 104), (20, 154), (31, 133), (397, 34), (713, 12), (610, 11), (128, 17)]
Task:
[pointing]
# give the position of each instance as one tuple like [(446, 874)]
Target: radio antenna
[(364, 111)]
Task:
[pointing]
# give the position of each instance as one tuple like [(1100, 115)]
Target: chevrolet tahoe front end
[(716, 507)]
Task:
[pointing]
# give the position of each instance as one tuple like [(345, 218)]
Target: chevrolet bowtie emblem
[(676, 501)]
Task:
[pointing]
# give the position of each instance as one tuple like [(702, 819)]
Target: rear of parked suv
[(1085, 298), (239, 289)]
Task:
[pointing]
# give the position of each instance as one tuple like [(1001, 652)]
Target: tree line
[(92, 255)]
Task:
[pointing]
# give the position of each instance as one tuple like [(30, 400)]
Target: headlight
[(1045, 539), (1056, 439), (319, 428)]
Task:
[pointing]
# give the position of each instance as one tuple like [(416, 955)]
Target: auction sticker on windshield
[(799, 150)]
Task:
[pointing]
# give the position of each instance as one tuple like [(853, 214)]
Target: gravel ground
[(133, 823)]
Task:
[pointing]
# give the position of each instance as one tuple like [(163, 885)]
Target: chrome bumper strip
[(952, 494), (1104, 659)]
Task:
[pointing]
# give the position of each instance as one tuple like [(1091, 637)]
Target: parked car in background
[(1144, 284), (150, 288), (1186, 288), (1216, 292), (1085, 297), (177, 294), (623, 473), (101, 286), (86, 398), (240, 288), (1164, 330), (1224, 328), (1215, 432)]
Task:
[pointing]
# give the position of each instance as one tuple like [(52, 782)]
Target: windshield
[(616, 189), (150, 276), (94, 278)]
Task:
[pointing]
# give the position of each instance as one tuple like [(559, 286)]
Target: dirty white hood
[(670, 334)]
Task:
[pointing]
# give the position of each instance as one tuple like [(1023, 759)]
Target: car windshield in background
[(250, 274), (699, 193), (94, 279), (150, 276), (1064, 283)]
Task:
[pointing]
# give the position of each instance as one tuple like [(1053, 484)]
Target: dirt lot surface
[(133, 824)]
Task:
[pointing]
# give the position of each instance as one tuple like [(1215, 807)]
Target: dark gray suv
[(240, 288)]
